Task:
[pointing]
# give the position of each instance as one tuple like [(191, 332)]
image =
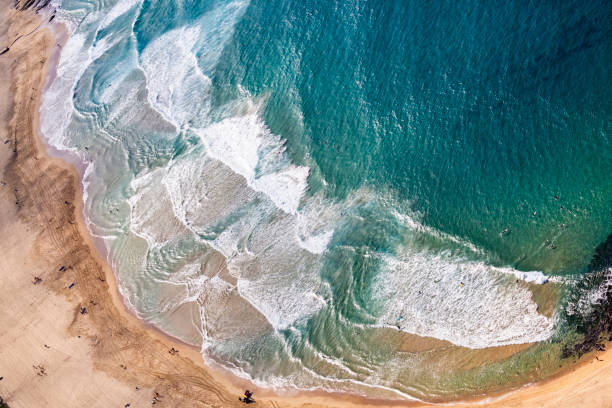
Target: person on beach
[(247, 397)]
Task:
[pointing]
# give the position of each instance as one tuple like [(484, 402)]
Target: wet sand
[(68, 340)]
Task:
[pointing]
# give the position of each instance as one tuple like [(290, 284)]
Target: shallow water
[(302, 187)]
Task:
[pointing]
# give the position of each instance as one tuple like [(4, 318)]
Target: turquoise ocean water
[(295, 185)]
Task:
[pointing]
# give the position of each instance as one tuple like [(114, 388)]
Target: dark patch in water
[(596, 326), (602, 258)]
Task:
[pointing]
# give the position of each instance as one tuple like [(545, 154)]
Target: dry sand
[(52, 355)]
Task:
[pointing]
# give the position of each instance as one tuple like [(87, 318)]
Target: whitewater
[(225, 235)]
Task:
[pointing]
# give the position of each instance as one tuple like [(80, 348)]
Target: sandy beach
[(67, 339)]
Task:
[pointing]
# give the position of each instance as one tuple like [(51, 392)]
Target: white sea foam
[(57, 100), (179, 90), (315, 224), (409, 220), (243, 225), (592, 297), (177, 87), (246, 145), (77, 54), (531, 276), (120, 8), (316, 244), (277, 276), (467, 303)]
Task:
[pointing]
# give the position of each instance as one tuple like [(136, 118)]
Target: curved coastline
[(32, 168)]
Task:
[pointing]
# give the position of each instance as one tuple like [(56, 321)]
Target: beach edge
[(54, 205)]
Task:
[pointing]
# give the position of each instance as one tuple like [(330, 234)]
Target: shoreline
[(221, 384), (35, 153)]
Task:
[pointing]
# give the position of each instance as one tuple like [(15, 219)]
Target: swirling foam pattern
[(287, 184)]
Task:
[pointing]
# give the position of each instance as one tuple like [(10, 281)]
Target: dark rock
[(596, 326)]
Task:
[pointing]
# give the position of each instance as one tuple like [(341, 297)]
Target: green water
[(301, 188)]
